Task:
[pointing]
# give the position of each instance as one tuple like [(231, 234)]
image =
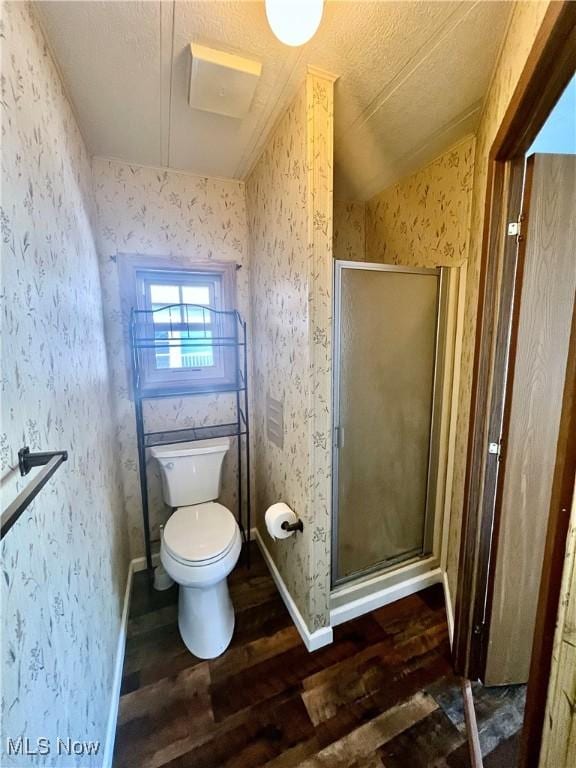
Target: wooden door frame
[(549, 68)]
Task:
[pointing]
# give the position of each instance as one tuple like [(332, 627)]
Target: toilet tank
[(191, 472)]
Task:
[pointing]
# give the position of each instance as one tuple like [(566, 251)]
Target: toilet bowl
[(201, 543), (200, 548)]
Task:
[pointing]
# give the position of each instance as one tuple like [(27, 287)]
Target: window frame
[(137, 272), (156, 377)]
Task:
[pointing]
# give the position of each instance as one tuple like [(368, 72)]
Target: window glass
[(162, 297), (197, 315), (197, 352), (196, 294), (163, 315), (184, 349), (164, 294)]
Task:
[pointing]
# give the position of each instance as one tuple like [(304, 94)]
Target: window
[(185, 328), (185, 311), (181, 305)]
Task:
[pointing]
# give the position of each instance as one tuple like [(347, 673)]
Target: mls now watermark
[(26, 747)]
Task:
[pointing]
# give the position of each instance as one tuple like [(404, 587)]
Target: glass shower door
[(385, 364)]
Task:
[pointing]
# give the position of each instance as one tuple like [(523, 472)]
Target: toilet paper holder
[(297, 526)]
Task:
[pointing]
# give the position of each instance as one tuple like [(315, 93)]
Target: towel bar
[(50, 461)]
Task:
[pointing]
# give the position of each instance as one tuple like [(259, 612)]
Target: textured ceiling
[(412, 76)]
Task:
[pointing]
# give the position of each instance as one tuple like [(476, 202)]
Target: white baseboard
[(108, 753), (356, 607), (449, 607), (312, 640), (139, 563)]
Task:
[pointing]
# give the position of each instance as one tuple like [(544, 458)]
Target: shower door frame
[(432, 533)]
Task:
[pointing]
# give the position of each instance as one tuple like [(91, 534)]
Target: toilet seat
[(201, 534)]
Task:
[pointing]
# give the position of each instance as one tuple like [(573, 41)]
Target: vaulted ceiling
[(411, 79)]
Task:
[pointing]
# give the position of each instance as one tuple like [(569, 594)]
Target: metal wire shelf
[(187, 435), (145, 327)]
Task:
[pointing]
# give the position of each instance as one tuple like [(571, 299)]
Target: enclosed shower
[(389, 379)]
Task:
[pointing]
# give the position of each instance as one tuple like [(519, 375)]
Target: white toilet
[(201, 542)]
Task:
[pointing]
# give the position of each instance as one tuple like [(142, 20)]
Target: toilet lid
[(200, 532)]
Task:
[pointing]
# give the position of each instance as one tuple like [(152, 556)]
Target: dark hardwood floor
[(382, 695)]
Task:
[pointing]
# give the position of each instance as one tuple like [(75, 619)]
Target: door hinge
[(515, 228), (495, 449)]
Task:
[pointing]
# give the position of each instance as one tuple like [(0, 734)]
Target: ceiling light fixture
[(294, 22)]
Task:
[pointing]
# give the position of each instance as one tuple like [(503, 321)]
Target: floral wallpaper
[(289, 202), (183, 218), (64, 563), (524, 24), (424, 220), (559, 736), (349, 230), (320, 114)]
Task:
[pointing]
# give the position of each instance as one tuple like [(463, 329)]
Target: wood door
[(538, 358)]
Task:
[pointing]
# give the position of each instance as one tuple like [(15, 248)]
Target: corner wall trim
[(312, 640), (108, 753)]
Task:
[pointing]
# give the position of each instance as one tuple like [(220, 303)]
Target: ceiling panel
[(214, 144), (411, 79), (444, 102), (109, 57), (369, 45)]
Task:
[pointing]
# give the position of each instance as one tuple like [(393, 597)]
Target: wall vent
[(275, 421), (222, 83)]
